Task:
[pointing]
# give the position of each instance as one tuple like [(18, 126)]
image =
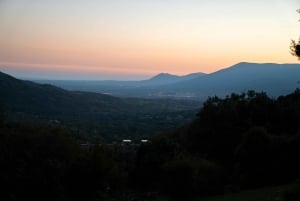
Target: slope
[(97, 114), (275, 79)]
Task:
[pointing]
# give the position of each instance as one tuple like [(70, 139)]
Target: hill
[(166, 78), (92, 112), (28, 97)]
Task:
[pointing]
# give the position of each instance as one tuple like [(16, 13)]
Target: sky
[(136, 39)]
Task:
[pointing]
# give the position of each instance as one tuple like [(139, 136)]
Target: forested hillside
[(240, 142), (95, 114)]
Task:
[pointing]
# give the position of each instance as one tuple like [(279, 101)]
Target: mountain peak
[(255, 64), (164, 76)]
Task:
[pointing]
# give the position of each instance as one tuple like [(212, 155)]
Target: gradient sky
[(134, 39)]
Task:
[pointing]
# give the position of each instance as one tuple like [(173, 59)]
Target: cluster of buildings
[(124, 142)]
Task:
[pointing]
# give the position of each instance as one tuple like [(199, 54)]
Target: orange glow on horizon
[(140, 37)]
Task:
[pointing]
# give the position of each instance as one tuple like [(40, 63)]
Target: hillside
[(241, 142), (275, 79), (29, 97), (104, 114), (240, 148)]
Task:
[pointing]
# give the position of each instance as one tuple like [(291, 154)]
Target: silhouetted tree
[(1, 115), (149, 161), (292, 195), (295, 48), (33, 162), (221, 123), (294, 152), (185, 177), (253, 156), (180, 180), (295, 45)]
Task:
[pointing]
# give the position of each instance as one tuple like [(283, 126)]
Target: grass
[(274, 193)]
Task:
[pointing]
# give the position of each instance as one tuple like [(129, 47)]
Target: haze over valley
[(274, 79)]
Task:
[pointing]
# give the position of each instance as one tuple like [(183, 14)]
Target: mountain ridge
[(114, 86), (167, 78), (275, 79)]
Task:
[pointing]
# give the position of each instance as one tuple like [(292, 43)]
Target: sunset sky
[(135, 39)]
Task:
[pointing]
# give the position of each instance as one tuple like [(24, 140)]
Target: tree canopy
[(295, 45)]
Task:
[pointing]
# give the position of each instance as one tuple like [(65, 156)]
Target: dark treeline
[(243, 141), (49, 164)]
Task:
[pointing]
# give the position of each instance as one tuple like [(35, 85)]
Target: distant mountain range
[(122, 88), (275, 79)]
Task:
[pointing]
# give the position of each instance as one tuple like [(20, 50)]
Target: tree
[(1, 115), (295, 46), (253, 155), (188, 177)]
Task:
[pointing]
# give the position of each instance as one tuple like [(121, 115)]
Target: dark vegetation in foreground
[(241, 142)]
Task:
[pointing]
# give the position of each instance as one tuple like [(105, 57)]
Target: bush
[(292, 195), (185, 178), (1, 115), (253, 157)]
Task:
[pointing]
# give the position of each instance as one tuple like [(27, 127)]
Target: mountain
[(163, 78), (275, 79), (92, 113), (140, 88), (166, 78)]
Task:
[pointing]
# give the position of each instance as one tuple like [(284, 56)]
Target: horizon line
[(122, 77)]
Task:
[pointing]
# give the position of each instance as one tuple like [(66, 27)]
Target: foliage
[(1, 115), (185, 178), (253, 137), (43, 164), (295, 46), (150, 158), (239, 142), (253, 156), (292, 194), (270, 193)]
